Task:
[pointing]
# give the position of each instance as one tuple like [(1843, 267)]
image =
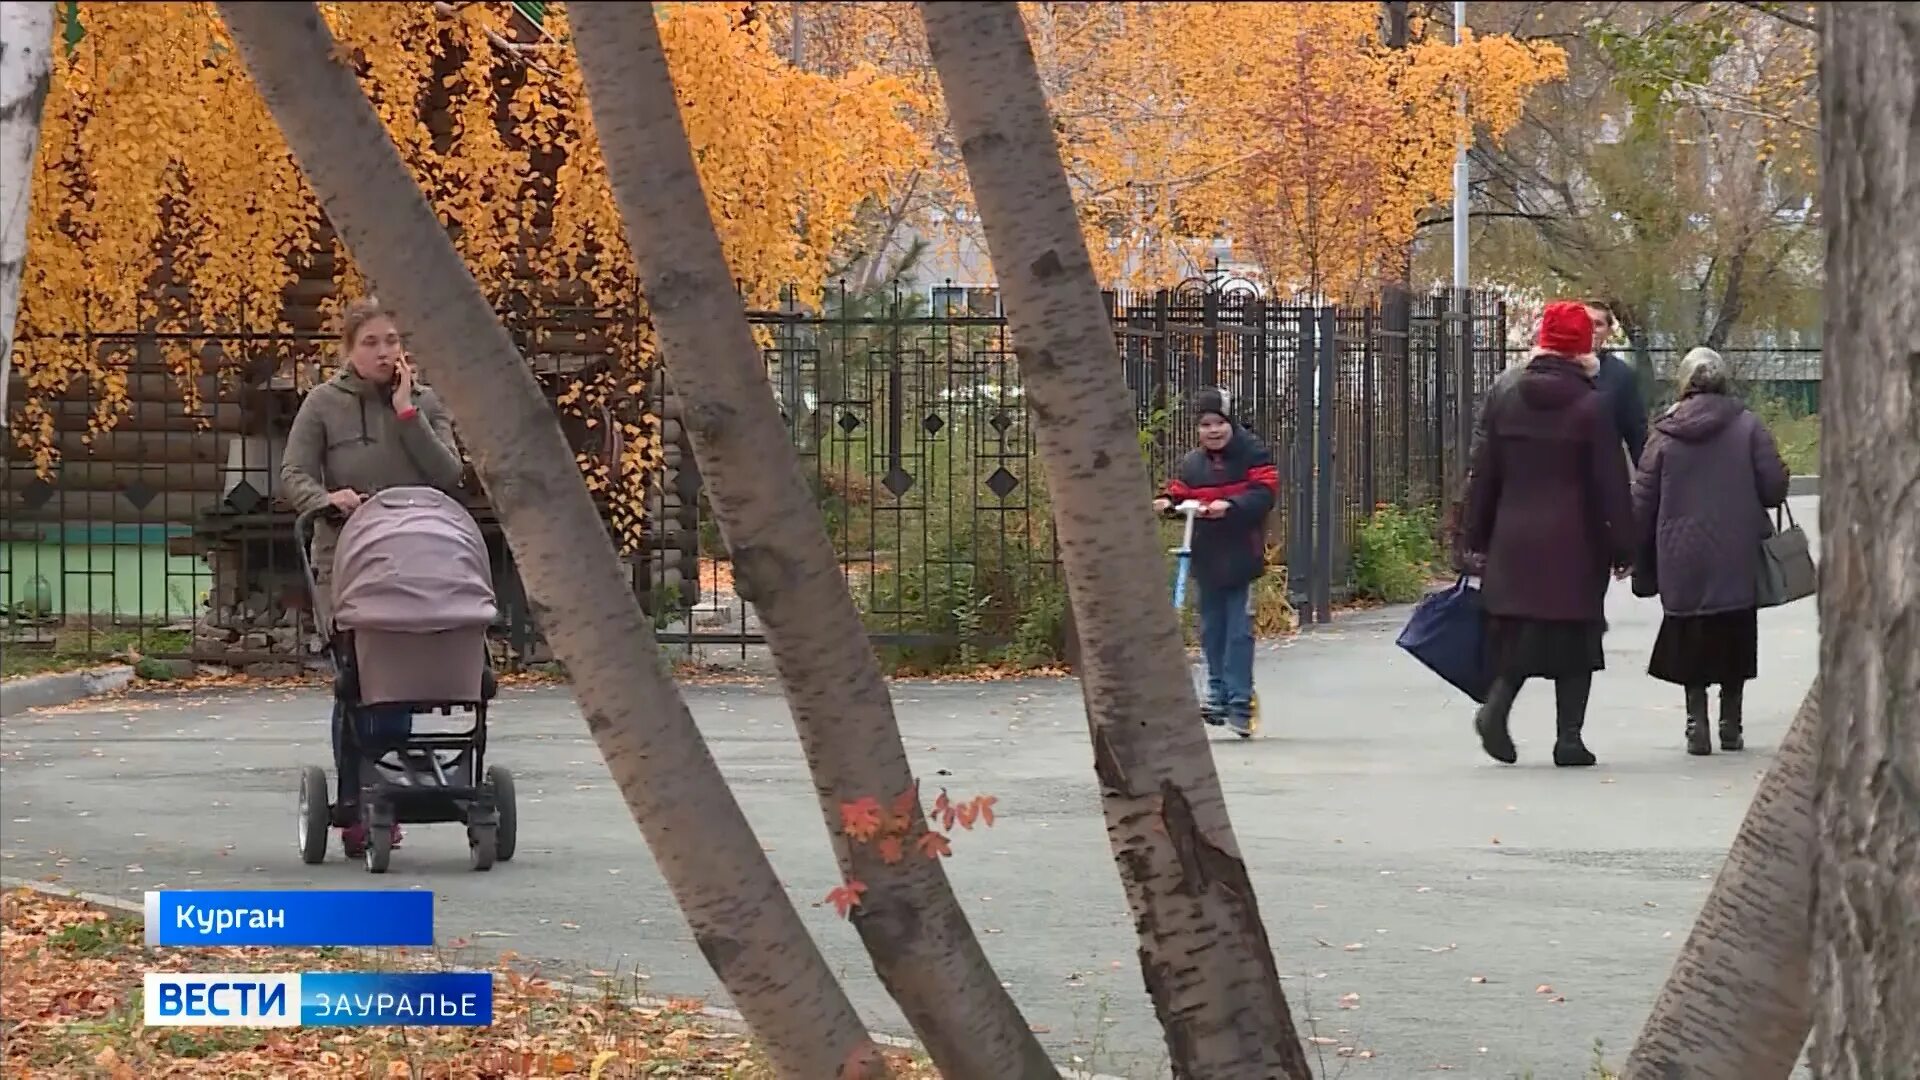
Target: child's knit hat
[(1213, 400)]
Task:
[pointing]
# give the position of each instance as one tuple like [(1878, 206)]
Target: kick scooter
[(1183, 560)]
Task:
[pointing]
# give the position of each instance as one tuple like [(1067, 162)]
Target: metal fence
[(161, 536), (911, 426), (1359, 405), (1787, 377), (158, 535)]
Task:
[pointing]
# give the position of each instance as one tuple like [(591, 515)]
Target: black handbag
[(1787, 572)]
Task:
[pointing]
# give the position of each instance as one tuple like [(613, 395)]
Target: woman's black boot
[(1732, 697), (1570, 709), (1699, 738), (1491, 721)]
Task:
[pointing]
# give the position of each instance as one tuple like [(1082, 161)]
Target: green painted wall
[(122, 571)]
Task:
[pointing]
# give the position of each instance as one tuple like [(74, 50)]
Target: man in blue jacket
[(1233, 479), (1621, 384)]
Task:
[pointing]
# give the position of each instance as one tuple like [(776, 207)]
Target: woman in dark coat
[(1549, 510), (1701, 497)]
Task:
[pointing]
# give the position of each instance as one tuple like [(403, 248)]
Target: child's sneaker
[(1245, 726), (1214, 715)]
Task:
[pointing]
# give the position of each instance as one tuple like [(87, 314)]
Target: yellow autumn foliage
[(165, 199), (1287, 127)]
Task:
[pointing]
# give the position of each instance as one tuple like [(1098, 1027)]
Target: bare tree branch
[(1776, 11)]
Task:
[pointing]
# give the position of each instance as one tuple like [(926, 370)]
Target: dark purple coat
[(1710, 473), (1548, 503)]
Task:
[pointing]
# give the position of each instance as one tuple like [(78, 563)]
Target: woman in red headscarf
[(1549, 510)]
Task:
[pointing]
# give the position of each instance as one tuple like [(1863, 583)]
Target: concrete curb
[(1803, 486), (725, 1019), (62, 688)]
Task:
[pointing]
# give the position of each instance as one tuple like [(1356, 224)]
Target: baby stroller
[(412, 598)]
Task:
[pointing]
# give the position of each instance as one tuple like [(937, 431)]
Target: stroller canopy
[(411, 560)]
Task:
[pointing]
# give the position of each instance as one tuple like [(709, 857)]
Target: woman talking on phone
[(369, 428)]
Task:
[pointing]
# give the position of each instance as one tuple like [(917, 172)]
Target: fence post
[(1368, 400), (1160, 355), (1300, 483), (1464, 396), (1256, 314), (1397, 320), (1435, 417), (1324, 509), (793, 399), (1210, 338)]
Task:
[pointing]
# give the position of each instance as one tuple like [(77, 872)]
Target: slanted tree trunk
[(1203, 949), (1866, 891), (742, 918), (783, 561), (26, 71), (1737, 1004)]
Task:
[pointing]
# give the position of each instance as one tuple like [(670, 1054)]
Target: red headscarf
[(1565, 329)]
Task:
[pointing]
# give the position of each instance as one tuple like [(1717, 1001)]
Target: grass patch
[(1795, 431), (76, 647), (1395, 553), (72, 999)]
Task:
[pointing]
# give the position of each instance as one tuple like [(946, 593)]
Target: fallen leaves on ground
[(71, 999)]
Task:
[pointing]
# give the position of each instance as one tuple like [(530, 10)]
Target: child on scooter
[(1231, 475)]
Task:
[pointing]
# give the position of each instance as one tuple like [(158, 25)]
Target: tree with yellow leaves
[(1288, 128), (207, 210)]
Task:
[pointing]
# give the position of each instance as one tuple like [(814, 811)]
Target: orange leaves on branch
[(891, 829), (980, 808)]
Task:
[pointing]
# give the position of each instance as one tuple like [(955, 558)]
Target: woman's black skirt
[(1544, 649), (1707, 650)]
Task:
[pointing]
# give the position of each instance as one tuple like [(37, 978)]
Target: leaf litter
[(71, 1000)]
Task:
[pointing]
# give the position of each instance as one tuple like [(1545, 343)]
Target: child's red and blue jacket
[(1231, 551)]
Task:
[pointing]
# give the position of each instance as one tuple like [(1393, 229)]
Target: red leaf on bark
[(905, 802), (943, 810), (846, 897), (860, 819), (933, 845), (890, 850), (967, 812)]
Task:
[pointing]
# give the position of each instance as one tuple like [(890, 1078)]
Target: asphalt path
[(1428, 907)]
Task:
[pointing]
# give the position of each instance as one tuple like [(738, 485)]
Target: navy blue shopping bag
[(1448, 634)]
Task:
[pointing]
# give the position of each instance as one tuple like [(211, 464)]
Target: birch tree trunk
[(1866, 891), (26, 71), (1203, 950), (784, 563), (741, 916), (1737, 1005)]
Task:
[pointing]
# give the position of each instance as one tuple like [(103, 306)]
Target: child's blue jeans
[(381, 726), (1226, 640)]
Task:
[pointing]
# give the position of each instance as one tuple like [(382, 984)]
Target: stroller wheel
[(314, 815), (482, 841), (501, 783), (379, 849)]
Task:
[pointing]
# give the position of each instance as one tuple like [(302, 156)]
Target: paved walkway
[(1393, 860)]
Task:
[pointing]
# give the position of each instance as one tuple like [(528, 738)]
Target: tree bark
[(784, 563), (741, 916), (1866, 893), (1737, 1004), (1203, 950), (26, 73)]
